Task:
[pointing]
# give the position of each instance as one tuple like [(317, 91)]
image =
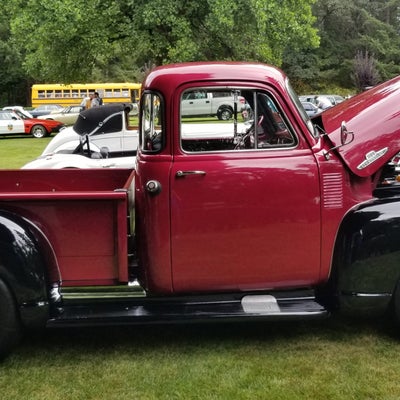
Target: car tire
[(224, 114), (10, 326), (39, 131)]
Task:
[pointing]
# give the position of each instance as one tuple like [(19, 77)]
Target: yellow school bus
[(71, 94)]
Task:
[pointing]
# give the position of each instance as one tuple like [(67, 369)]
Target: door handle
[(180, 174)]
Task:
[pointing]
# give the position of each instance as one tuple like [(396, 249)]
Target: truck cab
[(238, 204)]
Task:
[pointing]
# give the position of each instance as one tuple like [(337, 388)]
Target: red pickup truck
[(276, 217)]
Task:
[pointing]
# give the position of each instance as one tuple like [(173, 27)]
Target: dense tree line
[(321, 44)]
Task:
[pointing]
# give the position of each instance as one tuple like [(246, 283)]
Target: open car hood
[(374, 118)]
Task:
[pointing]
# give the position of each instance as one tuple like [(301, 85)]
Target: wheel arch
[(28, 266), (366, 260)]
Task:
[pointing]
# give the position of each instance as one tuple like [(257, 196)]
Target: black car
[(44, 109)]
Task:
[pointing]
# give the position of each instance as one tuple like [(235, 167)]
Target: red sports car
[(13, 122)]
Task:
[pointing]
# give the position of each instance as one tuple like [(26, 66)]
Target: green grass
[(333, 359), (15, 151)]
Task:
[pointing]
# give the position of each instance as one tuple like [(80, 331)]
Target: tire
[(10, 326), (224, 114), (39, 131)]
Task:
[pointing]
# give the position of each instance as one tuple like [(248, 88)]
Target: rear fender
[(367, 257), (28, 266)]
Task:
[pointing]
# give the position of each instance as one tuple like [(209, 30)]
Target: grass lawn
[(15, 151), (333, 359)]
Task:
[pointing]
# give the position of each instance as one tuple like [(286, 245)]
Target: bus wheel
[(10, 327)]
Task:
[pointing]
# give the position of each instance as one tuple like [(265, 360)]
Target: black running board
[(165, 310)]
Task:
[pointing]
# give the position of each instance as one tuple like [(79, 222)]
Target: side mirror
[(346, 137)]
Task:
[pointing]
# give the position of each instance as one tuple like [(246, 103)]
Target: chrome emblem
[(372, 156)]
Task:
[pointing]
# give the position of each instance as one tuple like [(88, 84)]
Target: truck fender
[(366, 262), (27, 266)]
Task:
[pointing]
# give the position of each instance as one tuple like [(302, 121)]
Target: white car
[(67, 115), (20, 109), (100, 138)]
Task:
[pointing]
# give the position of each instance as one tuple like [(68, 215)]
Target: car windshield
[(20, 114)]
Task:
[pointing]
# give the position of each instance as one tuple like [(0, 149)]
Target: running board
[(165, 310)]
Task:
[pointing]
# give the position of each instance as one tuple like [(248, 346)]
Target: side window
[(234, 120), (112, 124), (151, 129)]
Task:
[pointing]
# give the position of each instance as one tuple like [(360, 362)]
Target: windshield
[(20, 114), (301, 109)]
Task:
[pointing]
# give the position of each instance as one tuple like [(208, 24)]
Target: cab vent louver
[(332, 190)]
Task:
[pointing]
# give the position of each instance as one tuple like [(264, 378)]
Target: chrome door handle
[(180, 174)]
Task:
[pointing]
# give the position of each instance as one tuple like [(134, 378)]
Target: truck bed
[(16, 183), (81, 213)]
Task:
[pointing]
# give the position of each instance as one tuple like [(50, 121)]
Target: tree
[(352, 26), (76, 40), (252, 30), (365, 71), (13, 84), (68, 40)]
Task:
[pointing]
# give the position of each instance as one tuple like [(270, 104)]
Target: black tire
[(224, 114), (39, 131), (10, 326)]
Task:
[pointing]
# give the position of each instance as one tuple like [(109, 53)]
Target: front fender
[(367, 256), (27, 265)]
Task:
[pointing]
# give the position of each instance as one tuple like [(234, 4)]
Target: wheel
[(224, 114), (38, 131), (10, 327)]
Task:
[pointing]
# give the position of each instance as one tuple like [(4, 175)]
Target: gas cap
[(153, 187)]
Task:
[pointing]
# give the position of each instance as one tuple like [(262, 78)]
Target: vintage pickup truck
[(282, 217)]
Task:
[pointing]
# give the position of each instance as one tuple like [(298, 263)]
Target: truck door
[(245, 203)]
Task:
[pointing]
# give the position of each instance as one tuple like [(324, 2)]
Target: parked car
[(14, 122), (44, 109), (310, 108), (67, 115), (20, 109), (334, 98), (100, 138), (310, 98)]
